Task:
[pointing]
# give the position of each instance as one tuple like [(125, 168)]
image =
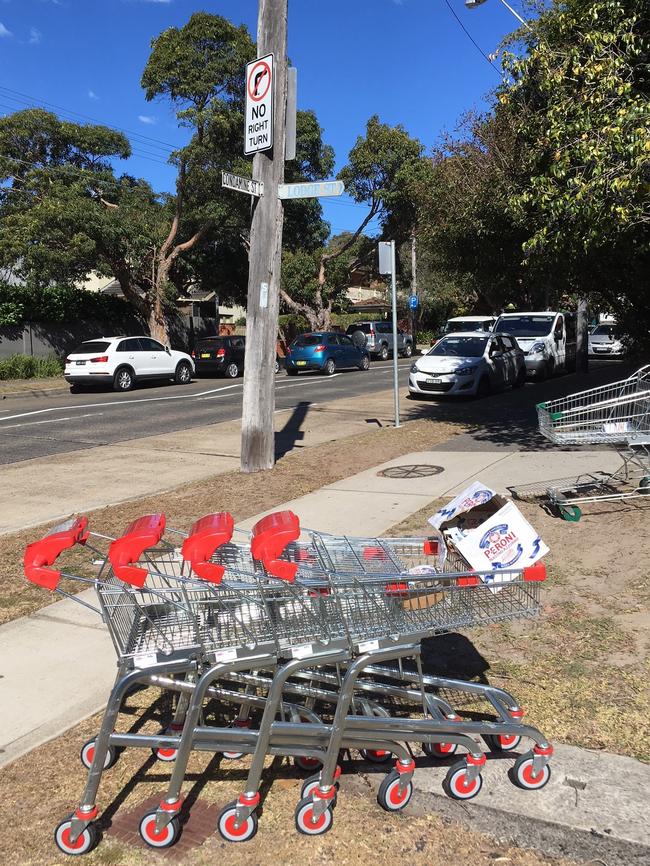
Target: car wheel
[(365, 363), (183, 374), (484, 388), (277, 367), (359, 339), (383, 352), (123, 380), (330, 367), (408, 350), (291, 371), (231, 371), (75, 389)]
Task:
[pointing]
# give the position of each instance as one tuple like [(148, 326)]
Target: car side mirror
[(168, 350)]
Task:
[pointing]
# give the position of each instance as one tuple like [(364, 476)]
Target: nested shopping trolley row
[(307, 646)]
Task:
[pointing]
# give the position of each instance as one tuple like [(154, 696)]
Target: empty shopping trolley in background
[(617, 414)]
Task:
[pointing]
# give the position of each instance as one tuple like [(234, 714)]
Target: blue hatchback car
[(326, 351)]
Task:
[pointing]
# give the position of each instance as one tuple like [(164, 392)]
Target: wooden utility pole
[(582, 336), (257, 435)]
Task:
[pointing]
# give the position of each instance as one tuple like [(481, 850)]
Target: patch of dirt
[(298, 473), (581, 670), (39, 790)]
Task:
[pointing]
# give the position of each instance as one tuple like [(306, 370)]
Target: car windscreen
[(451, 327), (308, 340), (360, 326), (460, 347), (91, 347), (525, 326), (605, 331)]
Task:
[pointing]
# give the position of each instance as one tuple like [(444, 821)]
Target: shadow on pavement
[(286, 439)]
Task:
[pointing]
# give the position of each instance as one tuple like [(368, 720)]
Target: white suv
[(121, 361)]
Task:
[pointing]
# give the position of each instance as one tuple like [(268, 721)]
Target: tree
[(371, 177), (580, 100)]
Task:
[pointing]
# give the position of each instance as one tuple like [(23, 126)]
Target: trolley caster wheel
[(458, 786), (229, 831), (376, 756), (168, 836), (166, 755), (87, 755), (389, 795), (309, 786), (88, 839), (502, 742), (522, 774), (644, 485), (439, 750), (307, 764), (570, 513), (307, 824)]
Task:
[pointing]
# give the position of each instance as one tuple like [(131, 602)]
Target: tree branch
[(374, 210)]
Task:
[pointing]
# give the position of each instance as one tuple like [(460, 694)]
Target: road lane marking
[(52, 420)]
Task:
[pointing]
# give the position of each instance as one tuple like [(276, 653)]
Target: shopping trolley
[(617, 414), (170, 623)]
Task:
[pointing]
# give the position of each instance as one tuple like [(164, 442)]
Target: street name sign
[(311, 190), (242, 184), (258, 131)]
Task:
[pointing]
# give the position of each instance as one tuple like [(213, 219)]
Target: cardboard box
[(489, 532)]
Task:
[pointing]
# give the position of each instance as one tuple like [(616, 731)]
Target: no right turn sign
[(258, 132)]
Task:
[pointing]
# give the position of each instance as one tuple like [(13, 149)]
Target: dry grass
[(581, 670), (40, 789)]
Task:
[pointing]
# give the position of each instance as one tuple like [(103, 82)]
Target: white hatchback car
[(122, 361), (469, 363)]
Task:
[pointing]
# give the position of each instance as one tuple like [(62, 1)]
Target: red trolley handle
[(41, 554)]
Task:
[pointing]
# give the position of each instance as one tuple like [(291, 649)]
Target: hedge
[(20, 304)]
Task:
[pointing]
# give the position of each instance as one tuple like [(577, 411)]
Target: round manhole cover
[(411, 470)]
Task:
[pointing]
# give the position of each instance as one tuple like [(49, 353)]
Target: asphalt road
[(45, 425), (40, 426)]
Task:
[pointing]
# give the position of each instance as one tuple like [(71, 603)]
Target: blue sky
[(408, 61)]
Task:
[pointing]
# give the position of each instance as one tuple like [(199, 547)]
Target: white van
[(469, 323), (548, 340)]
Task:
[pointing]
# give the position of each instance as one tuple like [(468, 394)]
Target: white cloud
[(35, 36), (92, 95), (147, 118), (4, 31)]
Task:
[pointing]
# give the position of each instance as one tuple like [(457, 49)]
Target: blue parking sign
[(413, 302)]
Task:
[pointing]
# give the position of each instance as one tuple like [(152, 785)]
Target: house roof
[(370, 304)]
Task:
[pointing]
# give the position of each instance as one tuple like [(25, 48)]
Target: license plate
[(434, 381), (205, 354), (301, 363), (80, 363)]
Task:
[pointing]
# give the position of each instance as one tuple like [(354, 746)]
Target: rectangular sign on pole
[(385, 257), (311, 190), (242, 184), (258, 129)]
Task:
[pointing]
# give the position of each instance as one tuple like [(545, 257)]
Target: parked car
[(548, 339), (605, 342), (469, 323), (377, 338), (325, 351), (222, 356), (469, 363), (124, 361)]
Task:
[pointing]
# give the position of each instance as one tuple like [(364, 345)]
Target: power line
[(471, 38), (36, 102)]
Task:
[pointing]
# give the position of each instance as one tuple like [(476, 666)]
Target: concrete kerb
[(596, 805)]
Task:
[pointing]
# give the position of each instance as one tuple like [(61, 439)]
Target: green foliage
[(19, 304), (27, 367)]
